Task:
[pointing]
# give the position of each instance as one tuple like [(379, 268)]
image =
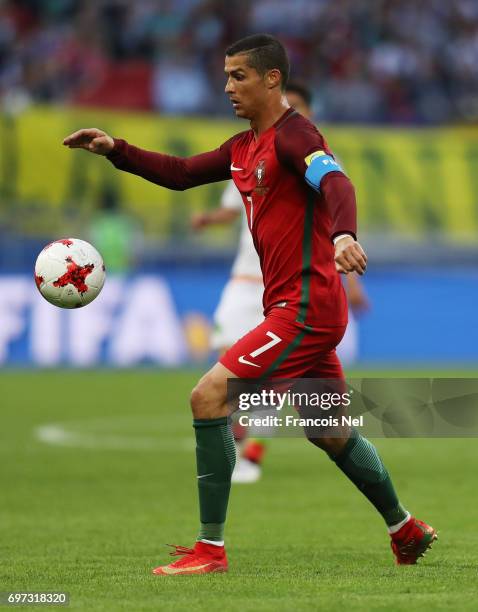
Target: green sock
[(216, 457), (361, 463)]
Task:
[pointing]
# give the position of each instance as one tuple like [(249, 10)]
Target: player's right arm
[(176, 173)]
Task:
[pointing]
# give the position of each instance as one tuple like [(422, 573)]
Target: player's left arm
[(308, 154)]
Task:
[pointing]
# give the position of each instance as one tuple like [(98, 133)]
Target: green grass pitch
[(91, 515)]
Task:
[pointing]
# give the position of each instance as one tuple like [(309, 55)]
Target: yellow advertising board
[(408, 181)]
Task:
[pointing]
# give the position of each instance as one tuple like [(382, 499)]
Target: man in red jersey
[(301, 212), (240, 307)]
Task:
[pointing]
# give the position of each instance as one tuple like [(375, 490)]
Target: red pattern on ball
[(38, 281), (75, 275)]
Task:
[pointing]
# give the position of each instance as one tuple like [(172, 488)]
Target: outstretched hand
[(90, 139), (349, 256)]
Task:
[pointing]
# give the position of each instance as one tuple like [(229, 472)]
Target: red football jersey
[(292, 224)]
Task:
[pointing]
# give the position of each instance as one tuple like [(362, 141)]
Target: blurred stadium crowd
[(396, 61)]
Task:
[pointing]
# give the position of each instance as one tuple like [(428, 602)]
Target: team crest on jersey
[(260, 171)]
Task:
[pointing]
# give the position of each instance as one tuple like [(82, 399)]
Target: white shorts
[(239, 310), (347, 349)]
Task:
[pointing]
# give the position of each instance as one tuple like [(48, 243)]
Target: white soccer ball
[(69, 273)]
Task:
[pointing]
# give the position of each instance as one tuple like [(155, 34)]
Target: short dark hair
[(264, 53), (301, 90)]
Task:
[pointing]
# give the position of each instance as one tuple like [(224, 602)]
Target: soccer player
[(302, 216), (240, 307)]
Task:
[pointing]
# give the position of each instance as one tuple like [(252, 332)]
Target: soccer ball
[(69, 273)]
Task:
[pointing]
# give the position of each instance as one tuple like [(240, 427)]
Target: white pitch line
[(58, 435)]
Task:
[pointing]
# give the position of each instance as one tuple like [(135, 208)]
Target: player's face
[(246, 88), (298, 102)]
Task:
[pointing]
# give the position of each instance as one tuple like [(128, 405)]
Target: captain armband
[(318, 165)]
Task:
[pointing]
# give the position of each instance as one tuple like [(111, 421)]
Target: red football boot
[(202, 559), (412, 541)]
